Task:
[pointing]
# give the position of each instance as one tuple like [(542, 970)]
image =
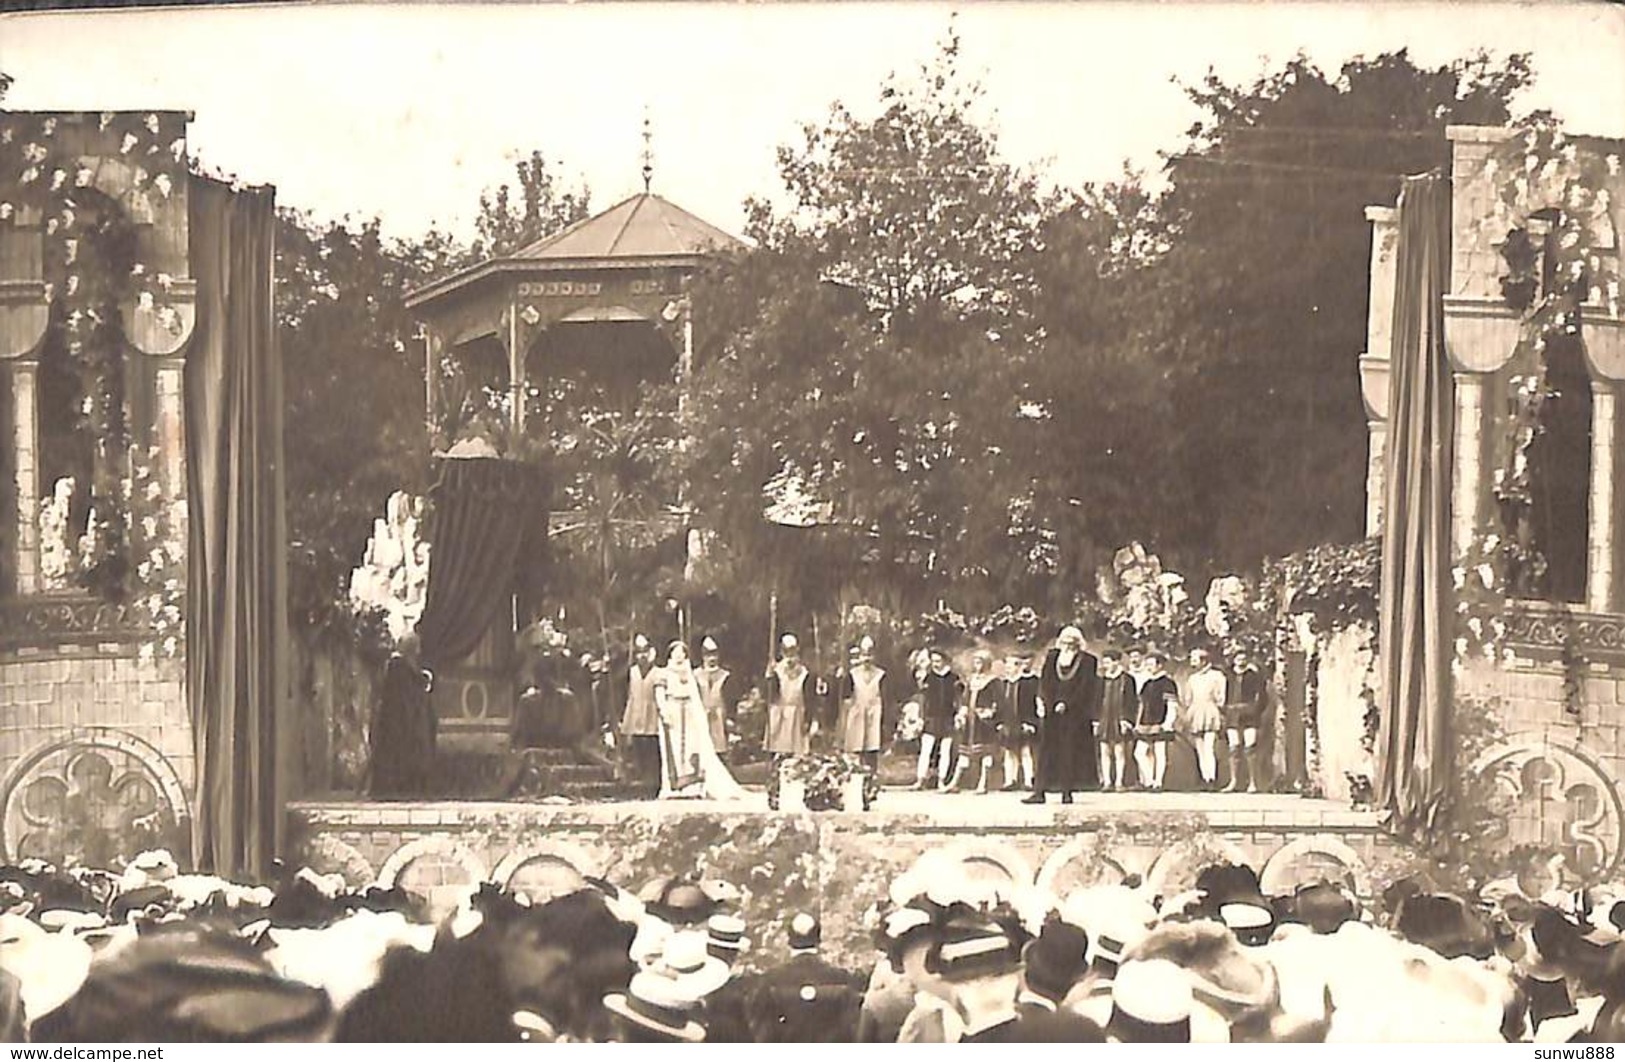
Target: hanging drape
[(487, 533), (237, 623), (1417, 644)]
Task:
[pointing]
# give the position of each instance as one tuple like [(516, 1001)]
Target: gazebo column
[(516, 374), (1465, 491), (1600, 533)]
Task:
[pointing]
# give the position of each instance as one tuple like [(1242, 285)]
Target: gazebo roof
[(644, 226), (641, 231)]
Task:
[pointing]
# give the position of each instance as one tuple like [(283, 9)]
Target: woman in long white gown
[(689, 764)]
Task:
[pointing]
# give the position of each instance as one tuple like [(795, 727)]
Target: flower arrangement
[(825, 778), (392, 582)]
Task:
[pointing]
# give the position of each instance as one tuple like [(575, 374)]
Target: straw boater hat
[(660, 1004), (725, 937)]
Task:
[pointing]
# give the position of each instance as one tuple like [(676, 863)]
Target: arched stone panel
[(96, 796), (326, 854), (1176, 868), (438, 870), (544, 870), (1556, 796), (1080, 863), (1306, 860)]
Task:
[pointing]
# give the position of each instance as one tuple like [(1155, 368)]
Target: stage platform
[(835, 863)]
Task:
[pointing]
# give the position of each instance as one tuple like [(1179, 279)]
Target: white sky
[(407, 112)]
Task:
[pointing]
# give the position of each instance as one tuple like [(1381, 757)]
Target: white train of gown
[(689, 764)]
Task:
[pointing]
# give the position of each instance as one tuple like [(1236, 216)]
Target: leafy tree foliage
[(869, 352), (353, 367), (538, 205), (1262, 293)]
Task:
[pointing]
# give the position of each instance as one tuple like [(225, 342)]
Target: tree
[(352, 367), (1262, 292), (869, 351), (509, 218)]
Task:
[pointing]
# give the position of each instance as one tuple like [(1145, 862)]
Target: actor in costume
[(862, 695), (941, 694), (1022, 723), (792, 696), (640, 722), (1069, 695), (1206, 692), (978, 721), (714, 692), (1119, 704), (1249, 698), (689, 764), (403, 734), (1154, 724)]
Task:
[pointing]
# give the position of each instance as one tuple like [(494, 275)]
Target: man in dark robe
[(403, 733), (1069, 696)]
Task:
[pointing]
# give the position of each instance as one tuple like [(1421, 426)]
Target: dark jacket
[(805, 1000)]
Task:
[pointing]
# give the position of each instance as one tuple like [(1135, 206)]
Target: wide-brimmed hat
[(687, 959), (659, 1004), (679, 901), (1225, 975), (1114, 916), (1151, 1004), (51, 967)]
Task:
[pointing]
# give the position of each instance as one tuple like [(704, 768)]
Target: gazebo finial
[(648, 150)]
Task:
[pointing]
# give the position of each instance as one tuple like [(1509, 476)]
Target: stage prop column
[(1413, 747), (237, 632)]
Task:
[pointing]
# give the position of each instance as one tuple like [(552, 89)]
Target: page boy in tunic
[(792, 695), (713, 678), (1154, 723), (640, 722), (862, 695)]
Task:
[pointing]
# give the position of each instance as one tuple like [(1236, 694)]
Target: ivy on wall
[(93, 267)]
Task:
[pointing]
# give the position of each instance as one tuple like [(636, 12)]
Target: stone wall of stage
[(834, 864), (1557, 694), (96, 757)]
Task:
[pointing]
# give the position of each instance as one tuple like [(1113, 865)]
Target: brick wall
[(834, 864), (1532, 706)]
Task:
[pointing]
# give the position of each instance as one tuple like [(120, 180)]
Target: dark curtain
[(237, 623), (486, 516), (1414, 753)]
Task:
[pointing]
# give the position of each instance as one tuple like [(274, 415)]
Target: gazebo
[(600, 306), (605, 297)]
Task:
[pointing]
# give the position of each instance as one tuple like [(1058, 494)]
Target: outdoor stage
[(834, 863)]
